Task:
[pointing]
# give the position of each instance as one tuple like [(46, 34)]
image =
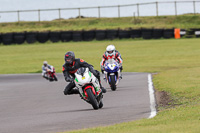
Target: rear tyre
[(92, 99), (55, 78), (112, 82)]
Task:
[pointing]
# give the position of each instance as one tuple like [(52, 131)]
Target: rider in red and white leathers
[(111, 53)]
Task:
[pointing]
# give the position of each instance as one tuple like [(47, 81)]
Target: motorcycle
[(51, 74), (112, 73), (89, 88)]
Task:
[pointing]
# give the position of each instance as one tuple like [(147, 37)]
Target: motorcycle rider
[(71, 65), (45, 68), (111, 53)]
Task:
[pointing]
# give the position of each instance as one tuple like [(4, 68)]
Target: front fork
[(107, 78)]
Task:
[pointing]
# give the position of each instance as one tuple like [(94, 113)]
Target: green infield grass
[(175, 64)]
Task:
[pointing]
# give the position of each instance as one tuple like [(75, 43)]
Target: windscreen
[(110, 61), (81, 70)]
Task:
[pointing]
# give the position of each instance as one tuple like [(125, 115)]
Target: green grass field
[(176, 63)]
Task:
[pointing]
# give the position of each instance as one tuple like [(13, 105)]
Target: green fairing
[(76, 79), (90, 74), (96, 88)]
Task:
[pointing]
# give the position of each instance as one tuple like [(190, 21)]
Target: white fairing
[(86, 78)]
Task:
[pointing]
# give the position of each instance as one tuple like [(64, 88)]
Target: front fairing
[(86, 79), (111, 67), (83, 79)]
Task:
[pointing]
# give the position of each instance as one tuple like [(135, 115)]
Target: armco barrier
[(31, 37), (88, 35), (100, 34), (147, 33), (111, 34), (43, 37), (7, 38), (135, 33), (66, 36), (77, 36), (19, 38), (157, 33), (54, 36), (124, 34)]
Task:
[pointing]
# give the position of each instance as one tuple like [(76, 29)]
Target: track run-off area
[(29, 103)]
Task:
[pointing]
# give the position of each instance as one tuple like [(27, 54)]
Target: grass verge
[(181, 21)]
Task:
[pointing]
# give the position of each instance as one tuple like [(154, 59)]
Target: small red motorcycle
[(51, 74)]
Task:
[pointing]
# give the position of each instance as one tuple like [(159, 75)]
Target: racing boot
[(120, 76), (46, 77), (104, 77), (102, 88)]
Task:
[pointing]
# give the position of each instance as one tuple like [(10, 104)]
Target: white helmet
[(45, 63), (110, 50)]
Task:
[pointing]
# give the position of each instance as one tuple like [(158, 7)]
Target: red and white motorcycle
[(51, 74), (89, 88)]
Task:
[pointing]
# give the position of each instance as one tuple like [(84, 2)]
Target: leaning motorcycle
[(51, 74), (89, 88), (112, 73)]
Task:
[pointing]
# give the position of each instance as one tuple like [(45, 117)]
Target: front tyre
[(112, 82), (92, 99)]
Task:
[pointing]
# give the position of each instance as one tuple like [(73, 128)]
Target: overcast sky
[(6, 5)]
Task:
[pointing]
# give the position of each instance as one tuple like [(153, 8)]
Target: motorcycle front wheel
[(112, 82), (92, 99)]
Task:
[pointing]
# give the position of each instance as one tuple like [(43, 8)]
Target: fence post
[(156, 8), (39, 15), (194, 7), (59, 14), (119, 11), (79, 13), (99, 12), (18, 15), (138, 10), (175, 8)]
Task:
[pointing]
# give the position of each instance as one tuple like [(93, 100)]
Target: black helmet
[(69, 58)]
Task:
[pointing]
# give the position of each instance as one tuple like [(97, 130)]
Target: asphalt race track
[(31, 104)]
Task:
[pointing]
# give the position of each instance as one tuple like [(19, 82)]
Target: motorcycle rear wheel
[(55, 78), (92, 99)]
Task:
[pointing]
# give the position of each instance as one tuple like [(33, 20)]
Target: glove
[(70, 80), (102, 67), (120, 64)]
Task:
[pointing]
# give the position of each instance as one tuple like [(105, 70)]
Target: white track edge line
[(152, 97)]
